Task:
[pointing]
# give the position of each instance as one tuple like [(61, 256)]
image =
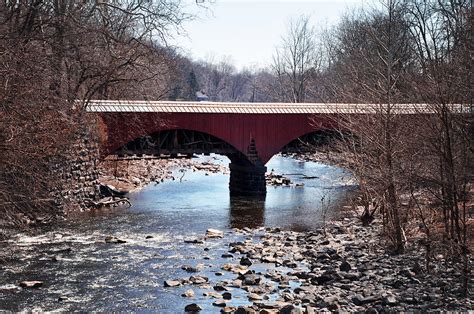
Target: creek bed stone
[(345, 268)]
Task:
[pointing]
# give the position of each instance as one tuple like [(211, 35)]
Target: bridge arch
[(247, 176), (310, 141), (173, 141)]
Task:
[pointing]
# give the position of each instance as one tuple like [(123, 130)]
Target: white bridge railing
[(266, 108)]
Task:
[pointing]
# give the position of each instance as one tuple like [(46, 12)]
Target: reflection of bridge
[(248, 133)]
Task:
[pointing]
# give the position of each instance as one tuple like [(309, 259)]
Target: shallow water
[(82, 272)]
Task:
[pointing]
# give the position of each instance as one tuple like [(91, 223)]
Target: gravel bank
[(345, 268)]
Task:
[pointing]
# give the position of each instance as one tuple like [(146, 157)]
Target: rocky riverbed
[(342, 267), (157, 256)]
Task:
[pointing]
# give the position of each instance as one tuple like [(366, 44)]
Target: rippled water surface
[(82, 272)]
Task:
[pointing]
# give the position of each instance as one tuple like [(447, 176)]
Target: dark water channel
[(82, 272)]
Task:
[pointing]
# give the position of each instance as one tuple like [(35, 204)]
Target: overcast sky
[(247, 32)]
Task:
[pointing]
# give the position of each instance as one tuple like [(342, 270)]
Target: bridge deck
[(260, 108)]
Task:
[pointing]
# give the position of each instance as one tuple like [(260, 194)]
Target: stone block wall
[(78, 175), (247, 179)]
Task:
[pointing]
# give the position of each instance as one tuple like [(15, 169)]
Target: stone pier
[(247, 179)]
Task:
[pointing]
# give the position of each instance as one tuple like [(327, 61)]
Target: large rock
[(322, 279), (190, 269), (254, 297), (268, 259), (188, 293), (219, 303), (390, 300), (251, 280), (345, 266), (289, 309), (112, 239), (9, 288), (212, 294), (358, 299), (172, 283), (237, 283), (245, 310), (198, 279), (31, 284), (245, 261), (220, 287), (311, 310), (214, 233), (228, 309), (192, 308), (110, 190)]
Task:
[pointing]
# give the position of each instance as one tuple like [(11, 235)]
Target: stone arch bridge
[(248, 133)]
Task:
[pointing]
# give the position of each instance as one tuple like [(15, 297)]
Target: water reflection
[(246, 211)]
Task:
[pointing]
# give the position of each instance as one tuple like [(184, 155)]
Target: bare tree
[(215, 78), (374, 73), (296, 61), (54, 52), (442, 33)]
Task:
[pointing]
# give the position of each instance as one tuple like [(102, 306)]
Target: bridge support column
[(247, 179)]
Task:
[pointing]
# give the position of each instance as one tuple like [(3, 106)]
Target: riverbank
[(342, 267)]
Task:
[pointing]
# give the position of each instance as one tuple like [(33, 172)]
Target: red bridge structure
[(249, 134)]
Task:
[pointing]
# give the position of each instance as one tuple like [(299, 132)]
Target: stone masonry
[(79, 175)]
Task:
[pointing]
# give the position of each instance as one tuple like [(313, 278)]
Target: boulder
[(345, 266), (245, 261), (31, 284), (220, 287), (254, 297), (228, 309), (390, 300), (110, 190), (219, 303), (189, 268), (212, 294), (289, 309), (9, 288), (245, 310), (188, 293), (198, 279), (112, 239), (172, 283), (192, 308), (214, 233), (358, 299), (251, 280)]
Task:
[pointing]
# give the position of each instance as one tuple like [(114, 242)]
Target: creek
[(80, 271)]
